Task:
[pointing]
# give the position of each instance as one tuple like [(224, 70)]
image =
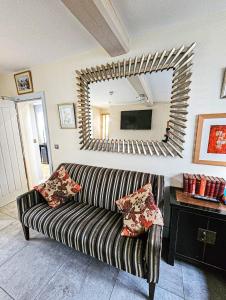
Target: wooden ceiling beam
[(141, 86), (101, 20)]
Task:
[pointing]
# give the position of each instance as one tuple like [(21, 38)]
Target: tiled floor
[(42, 269)]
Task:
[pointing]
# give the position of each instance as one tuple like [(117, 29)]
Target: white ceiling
[(40, 31), (143, 15), (160, 85), (123, 93)]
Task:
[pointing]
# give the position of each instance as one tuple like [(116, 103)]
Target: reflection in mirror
[(132, 108)]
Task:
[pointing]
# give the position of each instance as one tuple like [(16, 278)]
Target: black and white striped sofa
[(90, 222)]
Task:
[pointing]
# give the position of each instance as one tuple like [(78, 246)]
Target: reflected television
[(136, 119)]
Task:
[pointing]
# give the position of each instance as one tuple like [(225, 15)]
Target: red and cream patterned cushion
[(59, 188), (139, 212)]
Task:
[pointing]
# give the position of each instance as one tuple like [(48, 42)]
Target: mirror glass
[(135, 107)]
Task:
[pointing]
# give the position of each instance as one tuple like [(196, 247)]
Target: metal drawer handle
[(203, 237), (206, 236)]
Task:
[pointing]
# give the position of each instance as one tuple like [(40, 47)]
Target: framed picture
[(210, 145), (23, 82), (67, 115), (223, 89)]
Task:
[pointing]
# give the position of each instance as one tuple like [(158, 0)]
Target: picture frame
[(223, 88), (67, 115), (24, 84), (210, 143)]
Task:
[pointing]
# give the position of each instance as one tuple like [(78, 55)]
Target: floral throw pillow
[(139, 212), (59, 188)]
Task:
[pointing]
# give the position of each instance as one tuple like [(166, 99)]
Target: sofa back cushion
[(102, 186)]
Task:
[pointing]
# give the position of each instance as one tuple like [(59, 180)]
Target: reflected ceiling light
[(142, 98)]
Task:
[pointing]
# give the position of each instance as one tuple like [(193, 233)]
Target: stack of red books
[(206, 186)]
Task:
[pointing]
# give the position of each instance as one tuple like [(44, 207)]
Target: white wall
[(96, 122), (160, 116), (58, 82)]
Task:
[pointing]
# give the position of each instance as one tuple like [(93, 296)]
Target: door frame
[(33, 97)]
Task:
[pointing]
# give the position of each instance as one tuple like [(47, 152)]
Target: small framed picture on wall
[(67, 113), (210, 144), (23, 82)]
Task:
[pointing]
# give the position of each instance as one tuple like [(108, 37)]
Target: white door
[(13, 180)]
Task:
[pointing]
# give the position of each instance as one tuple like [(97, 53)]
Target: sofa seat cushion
[(92, 230)]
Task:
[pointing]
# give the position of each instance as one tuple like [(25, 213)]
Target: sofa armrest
[(158, 189), (28, 200), (153, 252)]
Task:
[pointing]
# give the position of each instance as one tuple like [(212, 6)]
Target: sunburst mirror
[(137, 105)]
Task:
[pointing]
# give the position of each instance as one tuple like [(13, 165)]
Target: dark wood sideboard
[(197, 230)]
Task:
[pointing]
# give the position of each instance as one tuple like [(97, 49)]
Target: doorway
[(34, 132)]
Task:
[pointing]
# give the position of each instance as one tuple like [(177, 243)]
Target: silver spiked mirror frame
[(180, 60)]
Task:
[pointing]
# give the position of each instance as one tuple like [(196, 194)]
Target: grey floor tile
[(128, 286), (5, 220), (4, 295), (162, 294), (81, 277), (99, 282), (12, 240), (171, 278), (216, 283), (195, 282), (25, 274), (10, 210), (124, 293), (68, 282), (202, 283)]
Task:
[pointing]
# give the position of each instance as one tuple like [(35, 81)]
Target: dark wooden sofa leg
[(151, 291), (26, 232)]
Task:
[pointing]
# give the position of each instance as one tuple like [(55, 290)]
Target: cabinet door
[(187, 243), (216, 254)]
